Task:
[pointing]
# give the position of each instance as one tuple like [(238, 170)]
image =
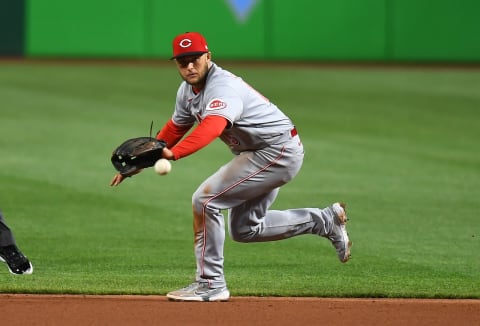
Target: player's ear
[(209, 56)]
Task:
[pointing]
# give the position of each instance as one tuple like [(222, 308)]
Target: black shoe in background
[(17, 263)]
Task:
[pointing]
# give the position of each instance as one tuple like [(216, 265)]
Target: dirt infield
[(27, 309)]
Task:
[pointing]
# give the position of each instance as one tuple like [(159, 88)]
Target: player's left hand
[(118, 178)]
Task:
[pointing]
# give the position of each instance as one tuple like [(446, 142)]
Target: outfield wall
[(12, 27), (341, 30)]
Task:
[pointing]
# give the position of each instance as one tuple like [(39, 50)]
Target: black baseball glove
[(136, 154)]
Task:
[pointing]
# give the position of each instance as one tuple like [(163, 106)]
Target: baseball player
[(267, 152), (16, 262)]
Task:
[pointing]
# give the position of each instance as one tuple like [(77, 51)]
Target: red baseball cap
[(189, 43)]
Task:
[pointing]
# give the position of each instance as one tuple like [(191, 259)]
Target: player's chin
[(192, 79)]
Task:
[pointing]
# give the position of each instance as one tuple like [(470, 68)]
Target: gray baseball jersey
[(269, 154), (254, 122)]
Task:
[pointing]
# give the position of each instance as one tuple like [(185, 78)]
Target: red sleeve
[(206, 132), (172, 133)]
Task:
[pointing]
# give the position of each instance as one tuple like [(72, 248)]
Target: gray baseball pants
[(247, 186)]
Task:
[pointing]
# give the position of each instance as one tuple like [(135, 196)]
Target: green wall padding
[(436, 30), (340, 30), (86, 28), (12, 27)]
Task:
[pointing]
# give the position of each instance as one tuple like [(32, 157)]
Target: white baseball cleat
[(339, 235), (199, 291)]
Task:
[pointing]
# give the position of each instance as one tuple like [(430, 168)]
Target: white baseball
[(163, 166)]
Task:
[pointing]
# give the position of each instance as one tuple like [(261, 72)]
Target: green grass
[(400, 146)]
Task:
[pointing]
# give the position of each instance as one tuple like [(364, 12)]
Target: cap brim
[(186, 54)]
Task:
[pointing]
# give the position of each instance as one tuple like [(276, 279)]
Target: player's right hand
[(167, 154)]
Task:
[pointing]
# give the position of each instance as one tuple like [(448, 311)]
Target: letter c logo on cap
[(185, 43)]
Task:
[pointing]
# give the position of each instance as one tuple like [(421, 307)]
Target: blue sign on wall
[(242, 8)]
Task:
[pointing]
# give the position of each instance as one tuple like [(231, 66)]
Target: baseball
[(162, 166)]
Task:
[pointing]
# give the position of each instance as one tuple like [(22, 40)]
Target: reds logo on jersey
[(216, 104)]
